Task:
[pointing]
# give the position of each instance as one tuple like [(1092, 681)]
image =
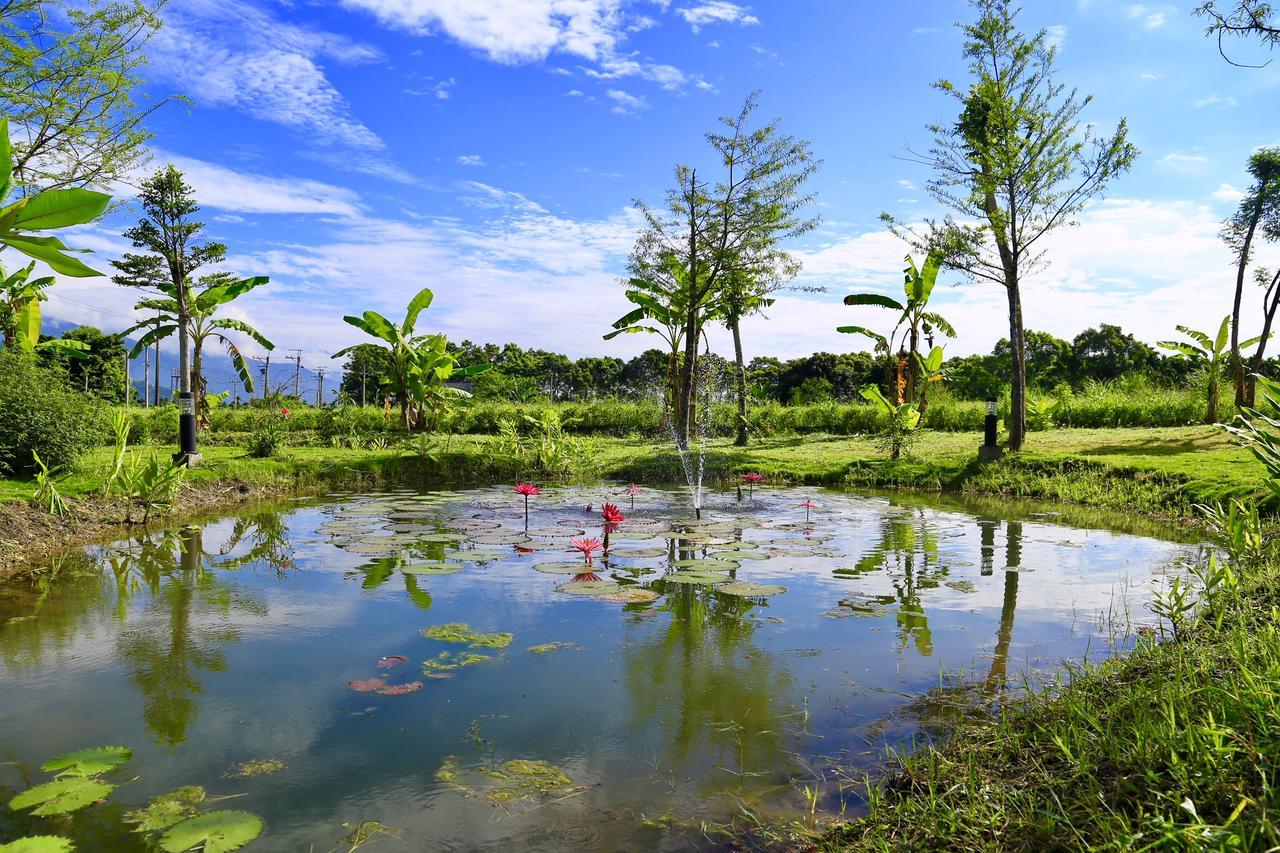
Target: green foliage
[(213, 832), (47, 497), (168, 809), (62, 795), (21, 220), (39, 414), (148, 484), (93, 761), (269, 428), (901, 420), (38, 844)]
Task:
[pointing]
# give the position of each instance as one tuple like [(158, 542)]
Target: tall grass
[(1099, 405)]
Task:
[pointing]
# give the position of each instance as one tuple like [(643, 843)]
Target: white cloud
[(1148, 76), (232, 54), (1151, 17), (1182, 160), (511, 31), (470, 160), (1056, 35), (1227, 193), (438, 89), (717, 12), (625, 103), (246, 192), (1217, 101)]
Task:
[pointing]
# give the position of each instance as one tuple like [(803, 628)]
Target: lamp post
[(991, 450)]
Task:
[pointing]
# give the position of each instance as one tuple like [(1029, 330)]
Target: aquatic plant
[(255, 768), (612, 515), (588, 545), (751, 478), (631, 491), (808, 505), (460, 632), (526, 489)]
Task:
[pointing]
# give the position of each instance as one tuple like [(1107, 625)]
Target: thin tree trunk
[(1237, 363), (1018, 348), (740, 380), (1270, 304)]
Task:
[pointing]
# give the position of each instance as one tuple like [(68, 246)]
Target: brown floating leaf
[(400, 689), (389, 661), (366, 685)]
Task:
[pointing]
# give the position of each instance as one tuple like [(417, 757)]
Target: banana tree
[(903, 419), (1211, 353), (433, 368), (203, 326), (44, 211), (915, 320), (412, 357), (20, 298), (928, 368)]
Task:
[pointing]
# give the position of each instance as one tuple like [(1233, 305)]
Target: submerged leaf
[(167, 809), (256, 768), (460, 632), (400, 689), (747, 589), (215, 832), (366, 685)]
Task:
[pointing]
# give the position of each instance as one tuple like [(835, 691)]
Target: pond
[(345, 660)]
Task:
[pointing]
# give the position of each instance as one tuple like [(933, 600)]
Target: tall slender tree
[(732, 229), (1257, 217), (170, 235), (1017, 164)]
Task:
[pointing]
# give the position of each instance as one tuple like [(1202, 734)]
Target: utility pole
[(266, 377), (146, 378), (297, 370), (320, 388), (156, 395), (128, 384)]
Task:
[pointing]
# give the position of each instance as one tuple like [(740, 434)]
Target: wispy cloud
[(1056, 35), (228, 53), (717, 12), (470, 160), (625, 103), (1150, 17), (1217, 101), (1183, 160)]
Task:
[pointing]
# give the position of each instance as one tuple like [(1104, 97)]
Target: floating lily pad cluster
[(173, 822), (518, 779)]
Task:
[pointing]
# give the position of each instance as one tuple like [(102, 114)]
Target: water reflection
[(715, 694)]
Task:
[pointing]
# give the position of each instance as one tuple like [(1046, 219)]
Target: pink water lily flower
[(631, 491), (588, 545), (808, 505), (751, 478), (526, 489)]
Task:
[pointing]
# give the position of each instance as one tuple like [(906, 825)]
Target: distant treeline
[(1101, 354)]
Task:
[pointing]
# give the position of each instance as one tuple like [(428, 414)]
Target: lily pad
[(38, 844), (460, 632), (747, 589), (637, 553), (62, 795), (705, 565), (215, 832), (366, 685), (608, 591), (434, 568), (391, 661), (694, 577), (513, 780), (167, 809), (962, 586), (560, 568), (449, 661), (88, 762), (548, 648), (400, 689), (258, 767)]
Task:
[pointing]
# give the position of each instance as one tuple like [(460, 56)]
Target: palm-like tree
[(915, 320), (1212, 353), (203, 326)]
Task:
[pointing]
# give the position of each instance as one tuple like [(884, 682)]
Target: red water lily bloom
[(588, 545), (526, 489), (808, 505), (585, 577), (633, 489), (612, 515), (752, 477)]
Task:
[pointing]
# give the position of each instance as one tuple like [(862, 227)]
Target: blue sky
[(358, 150)]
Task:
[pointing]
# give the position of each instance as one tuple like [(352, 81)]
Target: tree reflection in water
[(716, 694), (165, 662)]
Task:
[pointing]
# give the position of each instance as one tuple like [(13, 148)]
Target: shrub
[(40, 414)]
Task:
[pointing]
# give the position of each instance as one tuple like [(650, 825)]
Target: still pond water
[(702, 665)]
